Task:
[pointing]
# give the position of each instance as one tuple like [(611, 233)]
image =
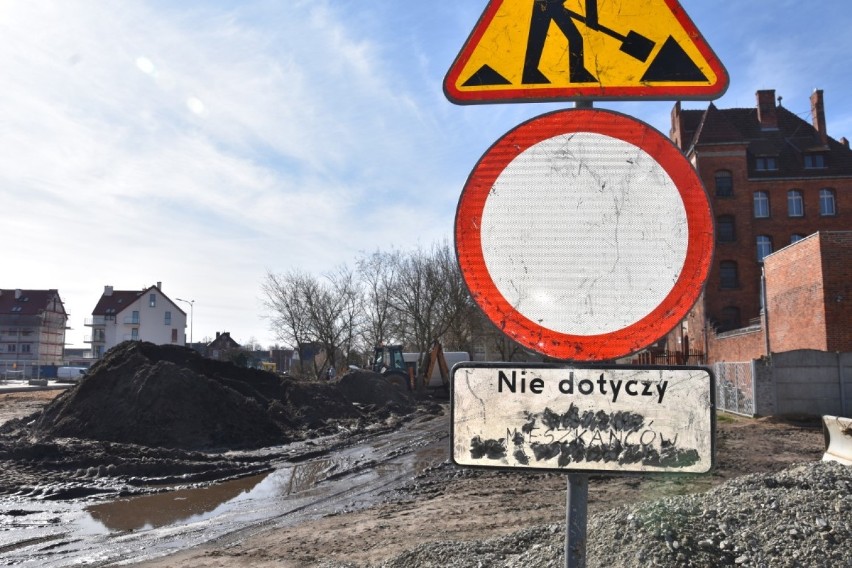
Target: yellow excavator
[(388, 360)]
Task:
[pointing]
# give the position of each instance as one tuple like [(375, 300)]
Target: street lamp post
[(191, 315)]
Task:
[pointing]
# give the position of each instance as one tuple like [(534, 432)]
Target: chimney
[(217, 335), (107, 290), (845, 142), (818, 114), (676, 132), (766, 114), (160, 286)]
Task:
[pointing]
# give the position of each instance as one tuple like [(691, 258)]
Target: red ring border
[(602, 347)]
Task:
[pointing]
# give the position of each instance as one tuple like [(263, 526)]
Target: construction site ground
[(411, 495)]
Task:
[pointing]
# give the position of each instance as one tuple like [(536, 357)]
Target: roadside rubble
[(795, 517)]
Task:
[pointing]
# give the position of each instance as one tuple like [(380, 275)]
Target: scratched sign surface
[(584, 234), (593, 419), (536, 50)]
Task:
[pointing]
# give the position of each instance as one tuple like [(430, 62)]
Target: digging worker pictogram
[(546, 11)]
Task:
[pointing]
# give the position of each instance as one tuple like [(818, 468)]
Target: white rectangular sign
[(595, 419)]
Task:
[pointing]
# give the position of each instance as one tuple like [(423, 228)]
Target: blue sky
[(202, 143)]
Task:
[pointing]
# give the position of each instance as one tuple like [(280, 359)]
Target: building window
[(168, 318), (25, 348), (761, 205), (152, 300), (764, 247), (11, 348), (724, 184), (766, 163), (728, 275), (795, 203), (134, 334), (826, 203), (725, 230), (815, 161), (730, 319), (174, 335), (134, 319), (796, 237)]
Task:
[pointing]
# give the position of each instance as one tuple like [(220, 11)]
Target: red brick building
[(773, 178), (809, 294)]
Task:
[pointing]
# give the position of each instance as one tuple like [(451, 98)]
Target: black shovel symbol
[(546, 12), (633, 44)]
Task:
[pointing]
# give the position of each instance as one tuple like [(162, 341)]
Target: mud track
[(303, 481)]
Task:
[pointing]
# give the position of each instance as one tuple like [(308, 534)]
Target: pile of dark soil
[(370, 391), (172, 397)]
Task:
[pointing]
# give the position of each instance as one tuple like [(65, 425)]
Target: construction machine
[(436, 357), (389, 362)]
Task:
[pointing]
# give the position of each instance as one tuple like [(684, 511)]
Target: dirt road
[(372, 501), (447, 503), (19, 404)]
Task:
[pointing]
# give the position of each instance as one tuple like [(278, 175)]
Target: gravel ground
[(799, 517)]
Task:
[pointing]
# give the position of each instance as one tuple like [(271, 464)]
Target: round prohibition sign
[(584, 235)]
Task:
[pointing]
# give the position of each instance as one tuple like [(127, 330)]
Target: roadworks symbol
[(574, 49)]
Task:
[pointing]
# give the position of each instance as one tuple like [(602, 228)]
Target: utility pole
[(191, 315)]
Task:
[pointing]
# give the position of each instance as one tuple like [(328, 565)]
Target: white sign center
[(584, 234)]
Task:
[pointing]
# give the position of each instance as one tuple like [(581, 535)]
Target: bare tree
[(289, 319), (430, 296), (334, 313), (378, 274), (497, 341), (409, 298), (463, 316), (315, 316)]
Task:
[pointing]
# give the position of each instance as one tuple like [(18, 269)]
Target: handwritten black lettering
[(588, 437)]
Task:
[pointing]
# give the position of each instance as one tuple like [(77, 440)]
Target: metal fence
[(735, 387), (690, 357), (24, 370)]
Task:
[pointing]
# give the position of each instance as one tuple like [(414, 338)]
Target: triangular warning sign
[(544, 50)]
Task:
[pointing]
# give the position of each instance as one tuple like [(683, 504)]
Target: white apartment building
[(32, 329), (132, 315)]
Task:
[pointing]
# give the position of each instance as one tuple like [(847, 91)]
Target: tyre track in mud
[(338, 479)]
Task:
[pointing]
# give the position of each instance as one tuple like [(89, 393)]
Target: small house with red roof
[(135, 315)]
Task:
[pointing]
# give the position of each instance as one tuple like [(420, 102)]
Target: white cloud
[(199, 147), (201, 143)]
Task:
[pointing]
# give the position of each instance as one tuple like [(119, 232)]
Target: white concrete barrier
[(838, 439)]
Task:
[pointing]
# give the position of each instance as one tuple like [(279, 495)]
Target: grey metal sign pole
[(576, 514), (582, 420), (575, 522)]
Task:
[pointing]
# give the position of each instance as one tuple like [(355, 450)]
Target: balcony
[(94, 321), (131, 320), (96, 338)]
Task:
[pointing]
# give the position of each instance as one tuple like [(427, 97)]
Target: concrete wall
[(809, 382), (765, 396)]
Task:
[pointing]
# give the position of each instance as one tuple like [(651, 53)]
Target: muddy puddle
[(68, 533), (183, 506)]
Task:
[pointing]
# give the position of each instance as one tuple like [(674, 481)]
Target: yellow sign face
[(526, 50)]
